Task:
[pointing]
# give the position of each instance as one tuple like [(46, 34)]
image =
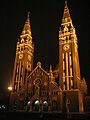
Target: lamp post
[(9, 90)]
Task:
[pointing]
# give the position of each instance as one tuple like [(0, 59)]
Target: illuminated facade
[(69, 68), (24, 57), (36, 89)]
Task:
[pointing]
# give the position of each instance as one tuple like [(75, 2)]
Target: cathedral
[(35, 89)]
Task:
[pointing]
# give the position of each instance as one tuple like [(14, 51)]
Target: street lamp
[(10, 90)]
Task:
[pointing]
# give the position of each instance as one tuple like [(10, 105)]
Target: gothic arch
[(35, 105), (45, 106)]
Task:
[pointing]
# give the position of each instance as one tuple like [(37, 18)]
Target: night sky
[(45, 17)]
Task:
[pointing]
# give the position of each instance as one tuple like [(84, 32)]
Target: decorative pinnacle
[(39, 64), (50, 68), (50, 71)]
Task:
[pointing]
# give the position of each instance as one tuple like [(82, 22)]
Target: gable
[(38, 73)]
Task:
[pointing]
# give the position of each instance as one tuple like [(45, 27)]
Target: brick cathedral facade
[(35, 89)]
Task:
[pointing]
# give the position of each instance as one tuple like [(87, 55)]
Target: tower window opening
[(64, 87), (62, 27), (21, 66), (64, 71), (67, 37), (22, 41), (24, 47), (70, 54), (71, 66), (21, 48), (18, 48), (69, 27)]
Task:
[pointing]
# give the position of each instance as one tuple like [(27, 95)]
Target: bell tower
[(68, 54), (69, 68), (24, 57)]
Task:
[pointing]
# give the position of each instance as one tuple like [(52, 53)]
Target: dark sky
[(45, 16)]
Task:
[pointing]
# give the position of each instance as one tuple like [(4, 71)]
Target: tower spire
[(66, 14), (28, 14), (24, 56), (65, 2), (69, 60), (66, 25), (26, 29)]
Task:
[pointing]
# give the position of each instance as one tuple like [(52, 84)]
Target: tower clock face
[(20, 56), (66, 47)]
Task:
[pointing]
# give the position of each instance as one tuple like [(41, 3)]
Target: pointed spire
[(28, 14), (26, 28), (65, 2), (66, 25), (66, 15), (51, 67), (66, 20)]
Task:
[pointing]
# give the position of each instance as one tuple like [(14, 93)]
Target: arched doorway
[(45, 106), (35, 105), (28, 106), (54, 105)]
